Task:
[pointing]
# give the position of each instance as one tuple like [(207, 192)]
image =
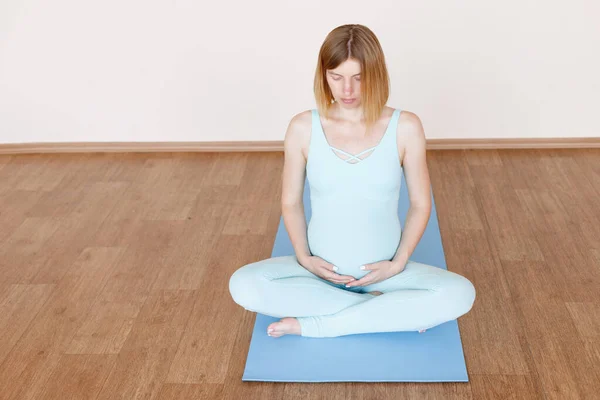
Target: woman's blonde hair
[(356, 42)]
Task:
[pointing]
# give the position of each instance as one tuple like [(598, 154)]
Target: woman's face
[(344, 82)]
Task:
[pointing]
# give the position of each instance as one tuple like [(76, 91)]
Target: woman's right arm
[(293, 178)]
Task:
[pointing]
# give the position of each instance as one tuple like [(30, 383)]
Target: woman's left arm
[(419, 187)]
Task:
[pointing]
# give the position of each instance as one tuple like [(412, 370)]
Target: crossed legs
[(420, 297)]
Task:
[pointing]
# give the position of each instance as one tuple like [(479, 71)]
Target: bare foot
[(285, 326)]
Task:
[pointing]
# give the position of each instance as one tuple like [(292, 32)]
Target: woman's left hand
[(380, 271)]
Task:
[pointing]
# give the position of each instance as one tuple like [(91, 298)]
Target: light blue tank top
[(354, 205)]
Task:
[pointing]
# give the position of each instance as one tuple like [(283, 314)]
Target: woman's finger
[(336, 278), (340, 281), (327, 271), (364, 281), (330, 275)]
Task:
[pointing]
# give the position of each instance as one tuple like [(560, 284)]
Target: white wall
[(132, 70)]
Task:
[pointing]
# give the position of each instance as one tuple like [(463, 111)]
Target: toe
[(272, 328)]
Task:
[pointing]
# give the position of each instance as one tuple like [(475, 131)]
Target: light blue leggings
[(420, 297)]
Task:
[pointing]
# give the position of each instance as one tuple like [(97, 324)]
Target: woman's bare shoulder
[(299, 131), (407, 117), (302, 119)]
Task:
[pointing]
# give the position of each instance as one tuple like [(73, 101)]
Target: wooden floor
[(114, 274)]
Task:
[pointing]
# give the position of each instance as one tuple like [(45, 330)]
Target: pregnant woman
[(351, 271)]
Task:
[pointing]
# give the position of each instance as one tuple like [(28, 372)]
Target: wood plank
[(31, 172), (78, 229), (19, 305), (113, 314), (504, 387), (15, 206), (504, 215), (177, 391), (145, 358), (31, 362), (21, 250), (78, 376)]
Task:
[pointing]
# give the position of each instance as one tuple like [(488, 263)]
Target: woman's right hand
[(325, 270)]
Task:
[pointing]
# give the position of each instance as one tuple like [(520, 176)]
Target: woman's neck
[(352, 115)]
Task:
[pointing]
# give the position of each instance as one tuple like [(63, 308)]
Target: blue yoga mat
[(433, 356)]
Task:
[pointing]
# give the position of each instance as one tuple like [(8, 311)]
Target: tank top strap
[(318, 141), (390, 134), (317, 136), (388, 142)]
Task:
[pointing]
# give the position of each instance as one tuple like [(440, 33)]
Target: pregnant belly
[(348, 245)]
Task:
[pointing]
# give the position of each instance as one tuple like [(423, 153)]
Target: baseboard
[(277, 145)]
